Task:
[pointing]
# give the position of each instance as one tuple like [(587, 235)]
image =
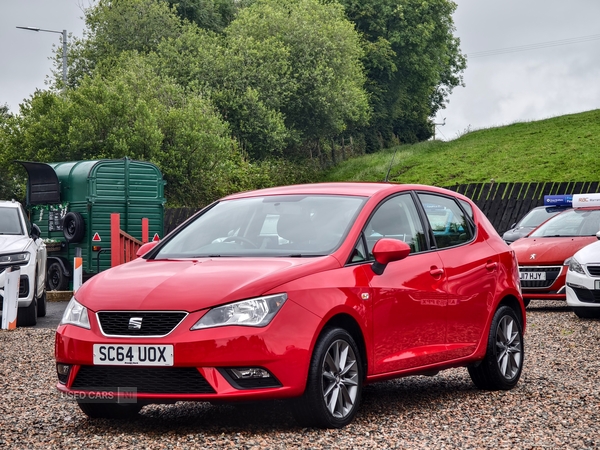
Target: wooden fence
[(503, 203)]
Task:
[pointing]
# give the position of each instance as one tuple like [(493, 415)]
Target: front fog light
[(248, 373), (62, 370)]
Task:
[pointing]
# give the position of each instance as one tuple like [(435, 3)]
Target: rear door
[(471, 270)]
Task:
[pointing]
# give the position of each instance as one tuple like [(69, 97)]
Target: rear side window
[(447, 220)]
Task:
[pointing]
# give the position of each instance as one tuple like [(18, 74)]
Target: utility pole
[(438, 124), (64, 49)]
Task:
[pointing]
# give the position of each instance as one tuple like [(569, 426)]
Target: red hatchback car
[(303, 293), (545, 253)]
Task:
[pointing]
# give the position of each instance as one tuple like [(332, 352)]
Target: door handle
[(436, 272), (491, 266)]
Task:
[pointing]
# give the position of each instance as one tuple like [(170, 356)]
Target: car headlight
[(574, 265), (15, 258), (76, 314), (256, 312)]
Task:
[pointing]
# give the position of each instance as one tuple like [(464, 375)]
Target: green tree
[(413, 61), (212, 15), (115, 26), (326, 91)]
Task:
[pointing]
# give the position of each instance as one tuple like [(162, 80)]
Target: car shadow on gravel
[(381, 401)]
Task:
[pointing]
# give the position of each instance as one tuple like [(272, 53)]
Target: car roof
[(363, 189), (9, 203)]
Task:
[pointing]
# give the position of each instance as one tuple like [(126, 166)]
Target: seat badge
[(135, 323)]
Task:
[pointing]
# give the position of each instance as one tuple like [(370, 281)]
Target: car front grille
[(594, 270), (587, 295), (552, 273), (148, 380), (155, 323)]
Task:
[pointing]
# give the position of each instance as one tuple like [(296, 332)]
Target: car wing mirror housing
[(146, 248), (598, 235), (386, 251), (35, 232)]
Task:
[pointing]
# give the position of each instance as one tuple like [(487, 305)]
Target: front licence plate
[(134, 355), (532, 276)]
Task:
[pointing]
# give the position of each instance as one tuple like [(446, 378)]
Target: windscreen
[(574, 222), (285, 225), (537, 216), (9, 221)]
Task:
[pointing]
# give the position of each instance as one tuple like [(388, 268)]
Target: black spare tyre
[(73, 227)]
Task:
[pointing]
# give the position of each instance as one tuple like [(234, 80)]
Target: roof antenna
[(390, 168)]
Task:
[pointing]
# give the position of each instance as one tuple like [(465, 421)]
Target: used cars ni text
[(21, 246), (304, 293), (545, 253)]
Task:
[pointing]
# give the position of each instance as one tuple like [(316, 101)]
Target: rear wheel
[(334, 386), (587, 313), (110, 410), (27, 316), (501, 368)]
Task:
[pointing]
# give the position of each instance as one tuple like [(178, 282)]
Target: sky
[(557, 74)]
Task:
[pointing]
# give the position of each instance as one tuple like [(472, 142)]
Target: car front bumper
[(200, 358), (583, 291), (26, 290)]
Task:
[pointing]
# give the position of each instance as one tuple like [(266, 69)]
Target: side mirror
[(35, 232), (145, 248), (386, 251), (513, 225), (598, 235)]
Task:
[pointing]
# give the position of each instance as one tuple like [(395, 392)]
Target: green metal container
[(73, 209)]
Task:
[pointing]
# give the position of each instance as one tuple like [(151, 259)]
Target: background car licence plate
[(136, 355), (532, 276)]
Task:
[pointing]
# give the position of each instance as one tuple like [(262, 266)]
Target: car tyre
[(56, 280), (110, 410), (587, 313), (27, 316), (73, 227), (41, 305), (501, 368), (334, 386)]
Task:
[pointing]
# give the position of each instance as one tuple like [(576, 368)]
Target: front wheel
[(334, 386), (501, 368), (27, 316)]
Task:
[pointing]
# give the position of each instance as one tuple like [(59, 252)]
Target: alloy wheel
[(509, 349), (340, 379)]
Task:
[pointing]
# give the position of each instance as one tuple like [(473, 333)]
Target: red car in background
[(545, 253), (304, 293)]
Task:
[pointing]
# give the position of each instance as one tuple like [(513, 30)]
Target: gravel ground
[(555, 405)]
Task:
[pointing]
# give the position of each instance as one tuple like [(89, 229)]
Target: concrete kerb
[(58, 296)]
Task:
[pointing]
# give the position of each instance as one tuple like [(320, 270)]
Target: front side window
[(449, 224), (283, 225), (396, 218), (9, 222)]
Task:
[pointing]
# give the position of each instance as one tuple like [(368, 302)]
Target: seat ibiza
[(304, 293)]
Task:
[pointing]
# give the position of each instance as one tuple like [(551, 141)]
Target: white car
[(21, 245), (583, 281)]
